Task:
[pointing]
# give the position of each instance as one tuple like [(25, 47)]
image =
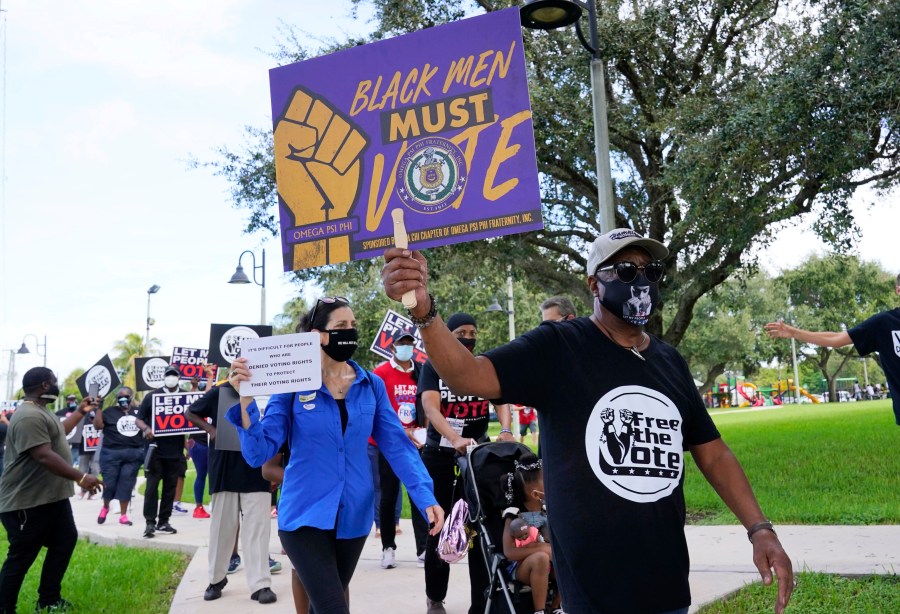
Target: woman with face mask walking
[(326, 509), (121, 453)]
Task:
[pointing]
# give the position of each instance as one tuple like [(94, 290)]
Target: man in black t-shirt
[(166, 462), (240, 498), (618, 412), (454, 423), (880, 333)]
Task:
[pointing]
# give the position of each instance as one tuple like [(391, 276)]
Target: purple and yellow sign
[(437, 122)]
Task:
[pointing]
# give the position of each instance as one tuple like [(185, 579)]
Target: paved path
[(720, 562)]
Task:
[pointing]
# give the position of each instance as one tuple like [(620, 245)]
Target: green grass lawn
[(817, 593), (833, 463), (102, 579)]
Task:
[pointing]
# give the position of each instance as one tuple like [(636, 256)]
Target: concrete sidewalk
[(720, 562)]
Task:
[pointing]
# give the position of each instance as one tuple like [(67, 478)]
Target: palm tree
[(129, 348)]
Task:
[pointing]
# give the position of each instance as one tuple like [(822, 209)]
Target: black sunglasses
[(328, 300), (626, 272)]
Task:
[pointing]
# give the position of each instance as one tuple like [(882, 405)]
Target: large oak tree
[(729, 120)]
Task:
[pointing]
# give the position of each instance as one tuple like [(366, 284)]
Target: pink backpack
[(454, 541)]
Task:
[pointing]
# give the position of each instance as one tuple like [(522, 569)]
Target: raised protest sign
[(168, 413), (150, 372), (103, 374), (437, 122), (225, 340), (391, 327), (190, 363), (286, 363), (227, 437), (73, 436), (91, 437)]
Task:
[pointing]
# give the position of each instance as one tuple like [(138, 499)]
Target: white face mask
[(171, 381), (403, 352)]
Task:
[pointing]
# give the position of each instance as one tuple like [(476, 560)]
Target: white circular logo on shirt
[(634, 444), (98, 374), (154, 372), (230, 343), (127, 426), (406, 412)]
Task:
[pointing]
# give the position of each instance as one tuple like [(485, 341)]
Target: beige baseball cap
[(608, 245)]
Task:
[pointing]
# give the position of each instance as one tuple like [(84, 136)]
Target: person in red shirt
[(528, 422), (400, 375)]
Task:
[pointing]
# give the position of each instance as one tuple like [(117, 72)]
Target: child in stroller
[(530, 558)]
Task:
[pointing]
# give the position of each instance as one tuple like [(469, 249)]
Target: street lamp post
[(151, 290), (495, 307), (553, 14), (37, 346), (240, 277), (10, 375)]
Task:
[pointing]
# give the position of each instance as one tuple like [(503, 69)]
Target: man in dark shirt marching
[(880, 333), (166, 462), (618, 412)]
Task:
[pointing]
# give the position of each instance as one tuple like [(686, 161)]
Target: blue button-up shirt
[(328, 479)]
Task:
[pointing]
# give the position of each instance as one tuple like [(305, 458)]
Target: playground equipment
[(785, 386)]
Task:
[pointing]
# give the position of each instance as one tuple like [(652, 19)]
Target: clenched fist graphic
[(318, 168)]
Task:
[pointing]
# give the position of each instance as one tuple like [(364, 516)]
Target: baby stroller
[(484, 470)]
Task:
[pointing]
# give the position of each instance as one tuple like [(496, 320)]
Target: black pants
[(441, 464), (165, 470), (48, 526), (390, 487), (324, 564)]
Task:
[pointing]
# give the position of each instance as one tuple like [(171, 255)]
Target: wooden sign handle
[(401, 240)]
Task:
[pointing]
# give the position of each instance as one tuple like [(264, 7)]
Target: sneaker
[(150, 531), (388, 558), (165, 527), (101, 518), (178, 507), (214, 591), (123, 519), (420, 560), (234, 563), (59, 606), (434, 607), (274, 566), (199, 512), (264, 595)]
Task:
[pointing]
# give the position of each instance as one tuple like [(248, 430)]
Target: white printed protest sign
[(285, 363)]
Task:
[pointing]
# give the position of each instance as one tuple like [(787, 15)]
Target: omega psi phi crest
[(431, 175)]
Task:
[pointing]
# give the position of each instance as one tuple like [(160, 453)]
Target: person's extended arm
[(55, 464), (145, 413), (74, 419), (780, 330), (504, 415), (723, 471), (272, 469), (98, 419), (464, 373), (403, 458), (431, 401)]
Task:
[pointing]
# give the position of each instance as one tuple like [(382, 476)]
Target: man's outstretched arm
[(780, 330)]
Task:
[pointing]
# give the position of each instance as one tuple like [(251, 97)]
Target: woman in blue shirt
[(326, 508)]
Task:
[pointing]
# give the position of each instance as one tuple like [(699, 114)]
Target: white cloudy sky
[(105, 102)]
